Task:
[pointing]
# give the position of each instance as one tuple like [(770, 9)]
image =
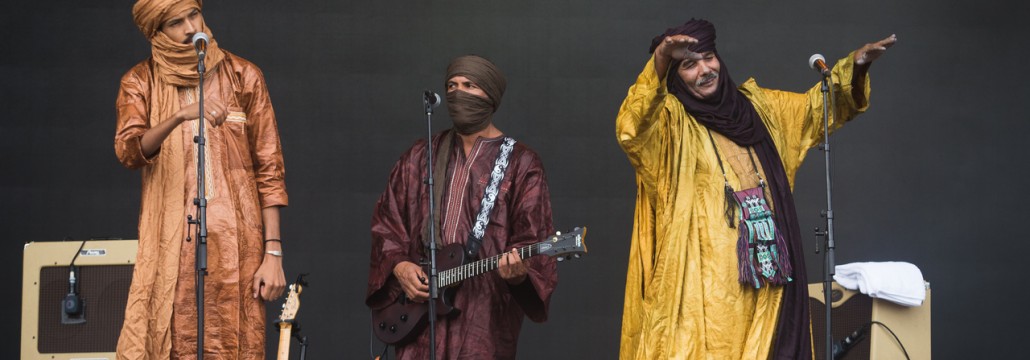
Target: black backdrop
[(931, 174)]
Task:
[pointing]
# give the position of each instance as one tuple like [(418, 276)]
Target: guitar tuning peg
[(577, 256), (561, 258), (557, 233)]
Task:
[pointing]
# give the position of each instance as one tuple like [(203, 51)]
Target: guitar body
[(402, 320)]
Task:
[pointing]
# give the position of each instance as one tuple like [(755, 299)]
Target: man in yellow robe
[(157, 120), (695, 288)]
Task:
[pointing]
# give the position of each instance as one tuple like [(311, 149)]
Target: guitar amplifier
[(103, 278), (852, 310)]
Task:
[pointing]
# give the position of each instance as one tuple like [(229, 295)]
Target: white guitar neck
[(285, 332)]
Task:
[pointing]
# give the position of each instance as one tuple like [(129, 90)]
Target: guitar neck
[(460, 273), (285, 332)]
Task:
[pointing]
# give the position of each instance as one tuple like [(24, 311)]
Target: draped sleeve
[(393, 240), (133, 117), (643, 123), (795, 120), (263, 135), (530, 223)]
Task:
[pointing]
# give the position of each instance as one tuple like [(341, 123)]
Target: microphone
[(72, 305), (431, 98), (200, 41), (818, 63), (841, 348)]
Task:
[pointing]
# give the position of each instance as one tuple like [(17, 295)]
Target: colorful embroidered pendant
[(758, 248)]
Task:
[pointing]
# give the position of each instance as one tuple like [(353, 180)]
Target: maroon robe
[(491, 309)]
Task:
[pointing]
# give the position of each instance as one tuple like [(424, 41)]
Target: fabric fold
[(895, 281)]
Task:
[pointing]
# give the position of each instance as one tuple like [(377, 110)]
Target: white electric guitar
[(289, 313)]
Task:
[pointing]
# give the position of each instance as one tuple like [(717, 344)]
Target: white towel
[(898, 282)]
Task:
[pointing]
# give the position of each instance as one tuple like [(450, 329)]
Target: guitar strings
[(453, 275)]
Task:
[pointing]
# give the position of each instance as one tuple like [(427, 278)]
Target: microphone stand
[(829, 263), (433, 294), (303, 346), (200, 263)]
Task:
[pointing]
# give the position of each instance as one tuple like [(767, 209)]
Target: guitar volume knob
[(404, 317), (382, 325), (393, 328)]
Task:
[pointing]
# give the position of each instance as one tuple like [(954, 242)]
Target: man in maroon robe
[(493, 304)]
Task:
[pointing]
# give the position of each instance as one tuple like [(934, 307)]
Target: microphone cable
[(903, 351), (868, 327)]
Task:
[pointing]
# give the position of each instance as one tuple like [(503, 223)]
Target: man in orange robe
[(244, 189)]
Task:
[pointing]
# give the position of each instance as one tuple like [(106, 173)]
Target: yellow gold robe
[(683, 300)]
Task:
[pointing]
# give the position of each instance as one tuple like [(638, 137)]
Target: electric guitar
[(286, 319), (400, 321)]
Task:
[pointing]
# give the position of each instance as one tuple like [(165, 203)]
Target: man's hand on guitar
[(511, 268), (413, 280)]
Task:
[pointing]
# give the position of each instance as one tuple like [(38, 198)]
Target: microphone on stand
[(73, 307), (818, 63), (845, 345), (200, 41), (431, 98)]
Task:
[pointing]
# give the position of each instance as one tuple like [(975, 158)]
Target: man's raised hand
[(872, 51), (676, 48)]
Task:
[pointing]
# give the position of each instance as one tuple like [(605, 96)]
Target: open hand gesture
[(872, 51), (677, 47)]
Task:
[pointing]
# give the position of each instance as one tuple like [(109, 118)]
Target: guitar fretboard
[(459, 273)]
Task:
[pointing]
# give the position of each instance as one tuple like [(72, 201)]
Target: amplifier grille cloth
[(104, 288)]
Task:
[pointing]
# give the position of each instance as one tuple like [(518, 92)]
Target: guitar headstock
[(565, 245), (292, 303)]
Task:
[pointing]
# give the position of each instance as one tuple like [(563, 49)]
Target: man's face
[(181, 27), (701, 76), (461, 83)]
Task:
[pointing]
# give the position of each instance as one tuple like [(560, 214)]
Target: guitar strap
[(475, 238)]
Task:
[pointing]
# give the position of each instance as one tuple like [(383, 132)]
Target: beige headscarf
[(176, 62)]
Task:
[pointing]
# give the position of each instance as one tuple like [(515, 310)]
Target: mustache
[(707, 76)]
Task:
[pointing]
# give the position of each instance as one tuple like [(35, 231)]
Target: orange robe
[(244, 174)]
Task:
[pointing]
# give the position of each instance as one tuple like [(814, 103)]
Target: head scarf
[(176, 63), (471, 113), (730, 113)]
